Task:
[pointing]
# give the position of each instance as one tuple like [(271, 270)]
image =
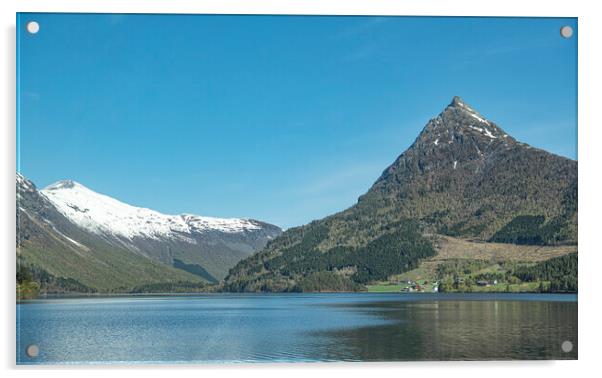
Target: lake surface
[(216, 328)]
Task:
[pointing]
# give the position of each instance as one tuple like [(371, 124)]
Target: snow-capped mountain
[(73, 232), (104, 215), (62, 257)]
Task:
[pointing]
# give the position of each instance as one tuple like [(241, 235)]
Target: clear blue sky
[(283, 119)]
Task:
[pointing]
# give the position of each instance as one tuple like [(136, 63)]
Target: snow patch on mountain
[(102, 214), (484, 130), (480, 119)]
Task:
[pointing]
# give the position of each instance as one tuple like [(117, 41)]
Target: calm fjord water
[(297, 327)]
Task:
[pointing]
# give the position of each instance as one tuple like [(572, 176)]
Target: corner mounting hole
[(33, 27), (566, 32), (32, 351), (567, 346)]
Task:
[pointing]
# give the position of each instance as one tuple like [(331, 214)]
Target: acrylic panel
[(231, 188)]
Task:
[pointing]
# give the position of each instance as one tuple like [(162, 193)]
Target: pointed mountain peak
[(460, 117), (456, 102), (461, 130), (461, 105)]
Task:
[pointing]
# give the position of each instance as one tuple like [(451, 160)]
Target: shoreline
[(234, 294)]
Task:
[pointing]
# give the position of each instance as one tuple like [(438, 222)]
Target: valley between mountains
[(466, 207)]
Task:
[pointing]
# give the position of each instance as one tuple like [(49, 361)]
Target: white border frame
[(589, 155)]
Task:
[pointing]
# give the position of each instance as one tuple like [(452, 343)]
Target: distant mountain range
[(74, 239), (462, 177)]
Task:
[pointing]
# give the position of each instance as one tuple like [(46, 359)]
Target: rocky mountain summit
[(465, 176)]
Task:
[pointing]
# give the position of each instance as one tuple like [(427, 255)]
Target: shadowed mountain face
[(79, 240), (463, 176)]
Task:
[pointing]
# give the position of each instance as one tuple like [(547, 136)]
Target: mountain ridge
[(81, 204), (72, 233)]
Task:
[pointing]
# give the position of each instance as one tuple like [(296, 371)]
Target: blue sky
[(284, 119)]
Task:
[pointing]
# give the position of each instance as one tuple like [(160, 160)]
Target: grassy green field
[(523, 287), (399, 286), (385, 287)]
